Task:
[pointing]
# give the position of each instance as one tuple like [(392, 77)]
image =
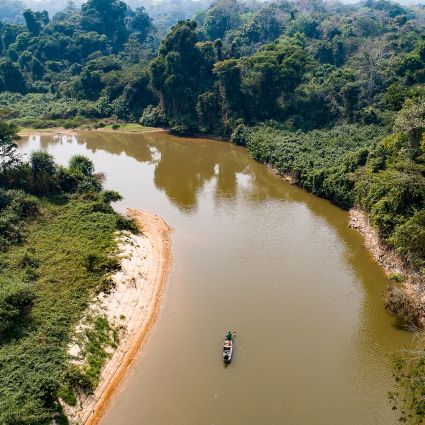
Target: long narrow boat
[(228, 348)]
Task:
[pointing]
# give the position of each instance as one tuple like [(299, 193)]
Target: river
[(255, 255)]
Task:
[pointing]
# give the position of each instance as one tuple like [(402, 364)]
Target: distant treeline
[(308, 64)]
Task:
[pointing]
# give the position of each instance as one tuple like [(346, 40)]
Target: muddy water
[(255, 255)]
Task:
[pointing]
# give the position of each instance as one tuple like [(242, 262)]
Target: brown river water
[(255, 255)]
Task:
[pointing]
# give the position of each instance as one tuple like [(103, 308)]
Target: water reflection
[(182, 169)]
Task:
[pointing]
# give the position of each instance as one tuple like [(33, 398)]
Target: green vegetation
[(83, 63), (409, 372), (351, 164), (331, 94), (98, 336), (322, 161), (307, 67), (57, 233), (130, 127), (327, 64)]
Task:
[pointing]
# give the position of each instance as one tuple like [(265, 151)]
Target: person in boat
[(229, 336)]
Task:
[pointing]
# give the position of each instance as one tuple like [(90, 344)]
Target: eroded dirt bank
[(406, 296)]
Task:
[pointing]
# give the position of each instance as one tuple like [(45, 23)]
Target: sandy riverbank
[(405, 298), (133, 304), (61, 131), (54, 131)]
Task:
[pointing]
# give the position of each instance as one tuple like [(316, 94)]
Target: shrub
[(109, 196), (15, 299), (67, 181), (153, 116), (409, 238), (124, 223), (321, 161), (96, 263), (43, 169), (181, 127), (80, 164), (239, 135), (67, 394), (397, 277), (15, 207)]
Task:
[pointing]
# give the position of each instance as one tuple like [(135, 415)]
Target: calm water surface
[(255, 255)]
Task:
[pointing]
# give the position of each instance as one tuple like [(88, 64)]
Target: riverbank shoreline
[(133, 305), (405, 297), (61, 131)]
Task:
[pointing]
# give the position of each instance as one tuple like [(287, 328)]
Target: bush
[(239, 135), (15, 208), (72, 123), (409, 238), (182, 127), (81, 165), (124, 223), (153, 116), (15, 299), (67, 181), (109, 196), (67, 394)]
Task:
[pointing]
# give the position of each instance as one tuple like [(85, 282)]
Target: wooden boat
[(228, 349)]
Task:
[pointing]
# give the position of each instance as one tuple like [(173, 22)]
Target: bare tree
[(370, 57)]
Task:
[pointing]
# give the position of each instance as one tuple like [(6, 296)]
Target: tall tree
[(106, 17), (8, 153), (179, 72), (12, 76), (33, 24), (222, 16), (140, 24)]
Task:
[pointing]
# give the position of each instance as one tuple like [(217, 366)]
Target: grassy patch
[(54, 261), (98, 337), (397, 277), (128, 127)]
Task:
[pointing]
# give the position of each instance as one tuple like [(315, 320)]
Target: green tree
[(140, 24), (180, 72), (43, 169), (410, 122), (229, 76), (80, 164), (12, 76), (221, 17), (8, 152), (33, 24), (106, 17)]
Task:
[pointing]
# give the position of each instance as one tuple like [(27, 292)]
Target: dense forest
[(328, 93), (57, 233)]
